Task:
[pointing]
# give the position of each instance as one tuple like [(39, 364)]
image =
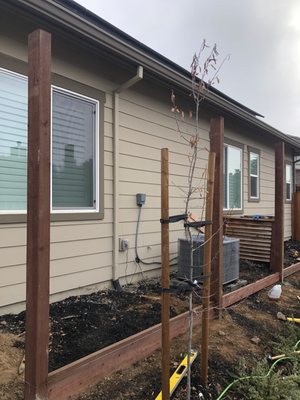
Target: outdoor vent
[(231, 254)]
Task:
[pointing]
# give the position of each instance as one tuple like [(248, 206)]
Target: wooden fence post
[(207, 269), (165, 274), (217, 147), (38, 215), (278, 226)]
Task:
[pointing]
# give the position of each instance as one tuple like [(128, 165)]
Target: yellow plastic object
[(291, 319), (178, 374)]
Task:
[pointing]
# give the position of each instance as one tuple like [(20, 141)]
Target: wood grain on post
[(165, 275), (217, 147), (207, 268), (277, 251), (38, 215), (296, 216)]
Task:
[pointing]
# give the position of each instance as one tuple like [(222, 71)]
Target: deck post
[(165, 260), (207, 270), (38, 216), (278, 226), (217, 147)]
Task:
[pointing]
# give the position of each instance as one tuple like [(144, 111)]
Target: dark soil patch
[(253, 271), (291, 252), (81, 325)]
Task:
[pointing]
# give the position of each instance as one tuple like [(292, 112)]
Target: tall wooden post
[(207, 269), (217, 147), (296, 216), (278, 227), (38, 215), (165, 274)]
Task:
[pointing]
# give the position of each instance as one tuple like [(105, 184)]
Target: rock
[(236, 285), (218, 388), (21, 368), (3, 323), (222, 333), (281, 316), (255, 340)]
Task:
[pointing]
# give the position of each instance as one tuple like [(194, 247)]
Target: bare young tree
[(204, 74)]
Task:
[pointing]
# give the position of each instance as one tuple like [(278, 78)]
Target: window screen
[(73, 151)]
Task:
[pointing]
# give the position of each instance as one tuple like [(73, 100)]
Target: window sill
[(251, 200), (55, 217)]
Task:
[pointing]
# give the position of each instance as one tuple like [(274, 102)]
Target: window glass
[(254, 175), (253, 187), (13, 142), (73, 150), (253, 163), (232, 177), (288, 180)]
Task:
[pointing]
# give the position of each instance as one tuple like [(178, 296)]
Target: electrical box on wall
[(140, 199), (123, 244)]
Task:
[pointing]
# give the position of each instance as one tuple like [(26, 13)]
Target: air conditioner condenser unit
[(231, 258)]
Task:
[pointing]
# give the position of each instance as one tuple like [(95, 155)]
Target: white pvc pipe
[(116, 205)]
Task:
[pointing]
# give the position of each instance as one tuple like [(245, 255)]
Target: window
[(288, 182), (254, 171), (76, 174), (74, 155), (13, 142), (232, 177)]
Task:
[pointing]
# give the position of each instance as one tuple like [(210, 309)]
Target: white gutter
[(116, 216)]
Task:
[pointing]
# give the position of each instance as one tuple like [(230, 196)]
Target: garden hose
[(257, 377)]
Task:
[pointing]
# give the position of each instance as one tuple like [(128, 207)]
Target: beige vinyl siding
[(147, 125), (81, 252), (287, 221)]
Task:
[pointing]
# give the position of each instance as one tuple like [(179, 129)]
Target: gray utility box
[(231, 255)]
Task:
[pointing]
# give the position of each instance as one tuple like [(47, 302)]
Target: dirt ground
[(83, 324)]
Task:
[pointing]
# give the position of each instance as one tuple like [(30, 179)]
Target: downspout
[(116, 217)]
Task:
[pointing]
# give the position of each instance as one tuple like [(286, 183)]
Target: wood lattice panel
[(255, 236)]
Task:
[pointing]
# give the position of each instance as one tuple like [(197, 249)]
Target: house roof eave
[(71, 15)]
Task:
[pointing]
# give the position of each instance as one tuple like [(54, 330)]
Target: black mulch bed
[(81, 325), (291, 252)]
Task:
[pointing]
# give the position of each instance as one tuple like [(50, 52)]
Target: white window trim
[(227, 179)]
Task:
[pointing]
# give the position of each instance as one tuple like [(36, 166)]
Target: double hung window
[(254, 171), (75, 149), (233, 156), (288, 181)]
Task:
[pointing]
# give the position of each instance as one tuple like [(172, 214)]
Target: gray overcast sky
[(262, 37)]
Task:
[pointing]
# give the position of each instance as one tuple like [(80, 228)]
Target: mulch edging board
[(243, 292), (291, 270), (89, 370)]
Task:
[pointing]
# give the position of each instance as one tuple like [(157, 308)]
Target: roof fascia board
[(55, 12)]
